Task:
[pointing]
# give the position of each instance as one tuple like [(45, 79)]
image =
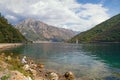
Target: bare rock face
[(38, 31)]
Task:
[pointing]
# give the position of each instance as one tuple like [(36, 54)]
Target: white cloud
[(11, 17), (62, 13)]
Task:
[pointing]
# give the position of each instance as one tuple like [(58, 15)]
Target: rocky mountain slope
[(107, 31), (9, 34), (38, 31)]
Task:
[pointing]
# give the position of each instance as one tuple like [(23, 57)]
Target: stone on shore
[(26, 67), (41, 65), (52, 76), (69, 76), (15, 69)]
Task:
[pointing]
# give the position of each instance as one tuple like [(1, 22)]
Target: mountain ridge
[(107, 31), (36, 30)]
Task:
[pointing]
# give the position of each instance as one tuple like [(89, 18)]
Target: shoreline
[(9, 45), (46, 42), (16, 68)]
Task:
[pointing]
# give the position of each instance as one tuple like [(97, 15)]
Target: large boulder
[(69, 76), (52, 76)]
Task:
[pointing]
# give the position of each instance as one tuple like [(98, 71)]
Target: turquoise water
[(85, 60)]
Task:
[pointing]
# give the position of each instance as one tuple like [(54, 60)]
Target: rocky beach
[(24, 68), (16, 68)]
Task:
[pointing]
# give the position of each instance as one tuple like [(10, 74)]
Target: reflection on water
[(91, 60)]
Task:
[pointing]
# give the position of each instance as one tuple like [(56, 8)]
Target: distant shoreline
[(46, 42), (94, 42), (9, 45)]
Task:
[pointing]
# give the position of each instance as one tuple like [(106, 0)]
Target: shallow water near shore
[(96, 61)]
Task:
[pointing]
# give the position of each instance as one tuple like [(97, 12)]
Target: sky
[(77, 15)]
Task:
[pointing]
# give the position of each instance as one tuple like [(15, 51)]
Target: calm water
[(85, 60)]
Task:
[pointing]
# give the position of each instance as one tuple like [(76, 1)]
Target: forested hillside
[(107, 31), (8, 34)]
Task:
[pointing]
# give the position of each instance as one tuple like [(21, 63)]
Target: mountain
[(107, 31), (9, 34), (35, 30)]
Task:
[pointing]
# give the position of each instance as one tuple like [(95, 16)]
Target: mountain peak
[(29, 20), (36, 30)]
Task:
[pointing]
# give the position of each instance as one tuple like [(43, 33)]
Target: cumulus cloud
[(61, 13)]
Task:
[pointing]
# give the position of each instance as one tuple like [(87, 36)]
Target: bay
[(95, 60)]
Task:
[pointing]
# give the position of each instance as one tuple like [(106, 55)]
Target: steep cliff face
[(38, 31)]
